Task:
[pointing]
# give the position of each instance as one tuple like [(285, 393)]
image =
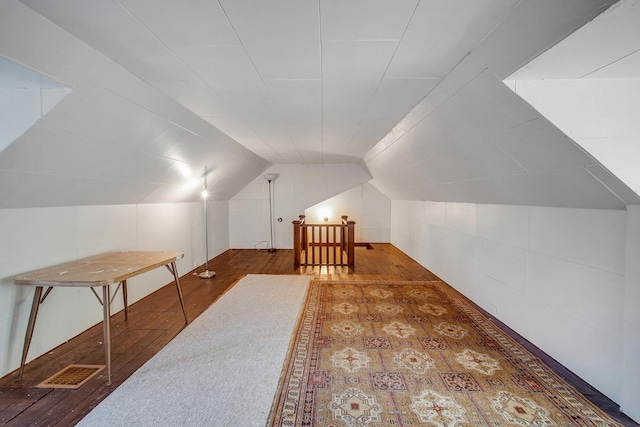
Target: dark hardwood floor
[(157, 318)]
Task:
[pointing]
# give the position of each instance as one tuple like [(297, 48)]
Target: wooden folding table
[(97, 271)]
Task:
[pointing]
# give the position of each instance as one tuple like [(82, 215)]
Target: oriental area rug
[(370, 354)]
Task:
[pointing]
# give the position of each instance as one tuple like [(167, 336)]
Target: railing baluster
[(333, 242), (335, 260), (311, 246), (321, 243), (320, 240)]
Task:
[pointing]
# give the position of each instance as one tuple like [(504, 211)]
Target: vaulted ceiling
[(410, 90)]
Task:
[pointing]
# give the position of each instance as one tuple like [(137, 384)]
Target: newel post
[(343, 234), (303, 234), (296, 243), (351, 254)]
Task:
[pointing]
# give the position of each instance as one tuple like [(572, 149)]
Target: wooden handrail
[(324, 244)]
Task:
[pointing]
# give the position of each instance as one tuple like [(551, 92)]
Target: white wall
[(297, 188), (631, 322), (364, 204), (556, 276), (40, 237)]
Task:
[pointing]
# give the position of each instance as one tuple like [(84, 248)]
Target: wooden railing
[(324, 244)]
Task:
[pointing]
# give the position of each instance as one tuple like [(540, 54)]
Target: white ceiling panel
[(563, 188), (367, 132), (306, 135), (314, 156), (195, 124), (365, 19), (94, 21), (45, 190), (236, 128), (483, 160), (112, 191), (260, 113), (39, 46), (34, 150), (372, 156), (242, 132), (390, 100), (194, 95), (133, 165), (519, 190), (436, 171), (417, 114), (163, 143), (433, 44), (538, 146), (14, 76), (180, 24), (281, 36), (228, 70), (594, 51), (195, 150), (306, 132), (354, 69), (338, 158), (417, 174), (387, 107), (258, 23), (336, 143), (401, 154), (110, 76), (379, 170), (176, 192), (114, 120), (483, 108), (431, 138), (624, 68), (300, 101), (78, 95), (279, 139), (531, 29), (299, 60), (481, 191), (566, 188), (341, 116), (613, 183), (464, 72)]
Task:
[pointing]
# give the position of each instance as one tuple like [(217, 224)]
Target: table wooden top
[(98, 270)]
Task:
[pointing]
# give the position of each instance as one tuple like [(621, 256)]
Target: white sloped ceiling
[(411, 90), (114, 139), (473, 140), (589, 86)]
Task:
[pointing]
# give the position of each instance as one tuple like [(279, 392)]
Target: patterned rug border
[(292, 356), (284, 410)]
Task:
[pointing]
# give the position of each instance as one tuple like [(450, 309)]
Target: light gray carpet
[(222, 370)]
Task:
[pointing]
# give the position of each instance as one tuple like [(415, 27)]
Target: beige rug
[(222, 370), (409, 354)]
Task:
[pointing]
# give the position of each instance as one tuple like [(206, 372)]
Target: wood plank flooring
[(157, 318)]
